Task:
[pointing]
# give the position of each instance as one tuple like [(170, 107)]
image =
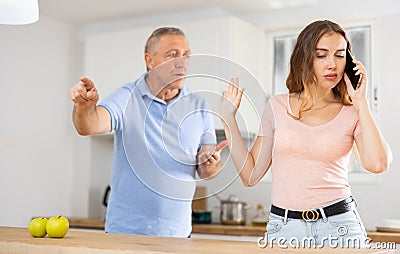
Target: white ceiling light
[(280, 4), (18, 12)]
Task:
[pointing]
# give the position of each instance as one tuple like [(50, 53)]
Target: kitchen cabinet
[(114, 58), (234, 48)]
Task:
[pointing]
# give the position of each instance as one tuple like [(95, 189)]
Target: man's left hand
[(209, 160)]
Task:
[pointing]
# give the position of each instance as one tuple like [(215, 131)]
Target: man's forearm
[(85, 120)]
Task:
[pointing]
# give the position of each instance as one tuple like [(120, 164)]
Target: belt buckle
[(310, 215)]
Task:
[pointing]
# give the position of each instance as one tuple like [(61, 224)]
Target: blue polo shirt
[(154, 162)]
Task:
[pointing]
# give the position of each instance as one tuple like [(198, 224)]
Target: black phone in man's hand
[(349, 70)]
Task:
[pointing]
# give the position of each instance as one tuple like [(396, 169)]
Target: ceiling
[(86, 12), (83, 12)]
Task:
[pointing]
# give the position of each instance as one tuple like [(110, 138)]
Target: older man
[(163, 135)]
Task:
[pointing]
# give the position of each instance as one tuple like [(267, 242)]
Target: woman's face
[(330, 60)]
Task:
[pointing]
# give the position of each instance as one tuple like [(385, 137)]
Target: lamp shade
[(18, 12)]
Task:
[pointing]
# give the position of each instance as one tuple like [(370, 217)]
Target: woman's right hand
[(232, 98)]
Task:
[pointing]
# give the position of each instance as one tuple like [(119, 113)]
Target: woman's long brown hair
[(301, 75)]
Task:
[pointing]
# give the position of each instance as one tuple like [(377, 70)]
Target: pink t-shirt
[(309, 164)]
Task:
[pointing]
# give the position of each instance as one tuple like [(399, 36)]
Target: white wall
[(36, 66)]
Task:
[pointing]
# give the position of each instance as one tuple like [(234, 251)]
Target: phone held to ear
[(349, 70)]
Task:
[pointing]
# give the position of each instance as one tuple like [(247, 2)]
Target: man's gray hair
[(158, 33)]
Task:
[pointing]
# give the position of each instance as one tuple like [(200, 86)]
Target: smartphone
[(349, 70)]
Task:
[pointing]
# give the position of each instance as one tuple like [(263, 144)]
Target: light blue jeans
[(344, 230)]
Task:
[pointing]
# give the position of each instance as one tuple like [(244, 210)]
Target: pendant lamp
[(19, 12)]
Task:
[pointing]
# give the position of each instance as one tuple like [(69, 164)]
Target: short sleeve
[(115, 104), (267, 122)]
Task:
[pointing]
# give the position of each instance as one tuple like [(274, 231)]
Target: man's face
[(168, 61)]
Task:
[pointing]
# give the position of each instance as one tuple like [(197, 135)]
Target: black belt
[(343, 206)]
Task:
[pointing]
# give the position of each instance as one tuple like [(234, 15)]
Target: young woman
[(306, 138)]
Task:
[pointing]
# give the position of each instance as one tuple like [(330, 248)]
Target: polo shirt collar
[(145, 91)]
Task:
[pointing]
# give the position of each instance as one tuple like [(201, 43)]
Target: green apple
[(37, 227), (57, 226)]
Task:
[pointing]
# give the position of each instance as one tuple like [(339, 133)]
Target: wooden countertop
[(218, 229), (19, 241)]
